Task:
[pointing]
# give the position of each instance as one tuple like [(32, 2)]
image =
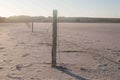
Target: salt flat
[(89, 50)]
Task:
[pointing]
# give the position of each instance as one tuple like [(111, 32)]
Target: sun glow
[(4, 11)]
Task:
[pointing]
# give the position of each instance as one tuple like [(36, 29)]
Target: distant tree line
[(23, 18), (2, 19)]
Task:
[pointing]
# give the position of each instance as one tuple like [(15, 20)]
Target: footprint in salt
[(15, 76), (5, 54), (1, 48), (1, 67), (22, 43), (19, 67), (25, 55), (115, 51), (7, 61)]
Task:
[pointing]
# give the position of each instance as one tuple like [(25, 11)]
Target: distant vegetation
[(2, 19), (24, 18)]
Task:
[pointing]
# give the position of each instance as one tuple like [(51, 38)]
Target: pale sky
[(68, 8)]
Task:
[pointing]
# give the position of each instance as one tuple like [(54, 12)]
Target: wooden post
[(54, 41), (32, 25)]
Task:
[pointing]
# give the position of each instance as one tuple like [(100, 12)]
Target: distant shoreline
[(42, 19)]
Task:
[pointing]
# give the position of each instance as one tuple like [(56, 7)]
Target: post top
[(55, 10)]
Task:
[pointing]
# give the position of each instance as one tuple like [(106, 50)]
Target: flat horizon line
[(61, 16)]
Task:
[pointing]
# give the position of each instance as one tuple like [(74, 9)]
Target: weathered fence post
[(32, 26), (54, 41)]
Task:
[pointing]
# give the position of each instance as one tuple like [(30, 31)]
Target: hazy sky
[(77, 8)]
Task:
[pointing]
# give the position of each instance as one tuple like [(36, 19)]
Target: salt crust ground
[(87, 51)]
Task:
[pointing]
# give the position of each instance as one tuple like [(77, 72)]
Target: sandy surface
[(86, 52)]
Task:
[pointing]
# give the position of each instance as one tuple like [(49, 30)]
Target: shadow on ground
[(70, 73)]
